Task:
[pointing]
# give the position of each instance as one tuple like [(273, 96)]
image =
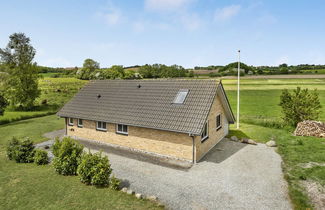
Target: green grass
[(27, 186), (260, 111), (56, 92)]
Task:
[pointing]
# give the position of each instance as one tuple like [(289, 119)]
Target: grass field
[(27, 186), (56, 92), (259, 104)]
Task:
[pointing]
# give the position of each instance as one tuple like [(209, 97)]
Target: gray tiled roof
[(150, 106)]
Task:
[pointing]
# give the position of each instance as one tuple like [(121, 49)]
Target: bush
[(67, 156), (21, 152), (114, 183), (3, 104), (94, 169), (56, 147), (40, 157), (12, 148), (300, 105)]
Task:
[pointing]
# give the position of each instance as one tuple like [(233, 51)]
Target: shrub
[(3, 104), (56, 147), (40, 157), (300, 105), (94, 169), (67, 156), (21, 152), (12, 148), (114, 183)]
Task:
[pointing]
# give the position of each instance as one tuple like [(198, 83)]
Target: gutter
[(193, 147)]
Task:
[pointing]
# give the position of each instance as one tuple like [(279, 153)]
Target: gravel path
[(232, 176)]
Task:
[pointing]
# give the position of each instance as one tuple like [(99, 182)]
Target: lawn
[(27, 186), (260, 105), (54, 91)]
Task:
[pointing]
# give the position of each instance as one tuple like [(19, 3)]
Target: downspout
[(66, 126), (193, 147)]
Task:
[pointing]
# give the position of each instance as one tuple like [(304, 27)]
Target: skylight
[(181, 96)]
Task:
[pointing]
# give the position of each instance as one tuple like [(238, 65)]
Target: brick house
[(181, 119)]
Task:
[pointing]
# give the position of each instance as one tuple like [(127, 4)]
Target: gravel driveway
[(232, 176)]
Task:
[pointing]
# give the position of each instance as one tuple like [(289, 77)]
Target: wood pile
[(310, 128)]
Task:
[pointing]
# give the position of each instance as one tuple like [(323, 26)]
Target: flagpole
[(238, 84)]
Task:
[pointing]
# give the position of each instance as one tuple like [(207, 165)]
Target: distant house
[(180, 119)]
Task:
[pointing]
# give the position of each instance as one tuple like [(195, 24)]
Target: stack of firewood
[(310, 128)]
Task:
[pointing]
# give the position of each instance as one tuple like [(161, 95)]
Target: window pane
[(125, 128), (80, 121), (119, 128), (205, 131), (104, 125), (180, 97)]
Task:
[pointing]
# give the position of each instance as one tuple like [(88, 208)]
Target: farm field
[(54, 91), (260, 97)]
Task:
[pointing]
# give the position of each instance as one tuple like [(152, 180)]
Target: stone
[(234, 138), (152, 198), (129, 192), (271, 143), (124, 189), (138, 195), (248, 141)]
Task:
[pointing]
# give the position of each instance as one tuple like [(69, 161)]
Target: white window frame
[(203, 138), (122, 132), (69, 122), (220, 126), (101, 128), (80, 125)]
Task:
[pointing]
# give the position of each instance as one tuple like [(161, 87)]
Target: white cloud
[(112, 18), (163, 5), (227, 13), (111, 14), (139, 26), (191, 21)]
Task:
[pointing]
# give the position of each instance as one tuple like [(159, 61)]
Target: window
[(80, 125), (218, 122), (70, 122), (122, 129), (181, 96), (205, 135), (101, 126)]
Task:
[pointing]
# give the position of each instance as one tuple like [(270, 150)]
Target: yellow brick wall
[(157, 141), (214, 136)]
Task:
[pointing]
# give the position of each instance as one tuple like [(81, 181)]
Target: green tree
[(88, 68), (21, 85), (3, 104), (299, 105), (118, 69)]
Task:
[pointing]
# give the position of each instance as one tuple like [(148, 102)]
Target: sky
[(183, 32)]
